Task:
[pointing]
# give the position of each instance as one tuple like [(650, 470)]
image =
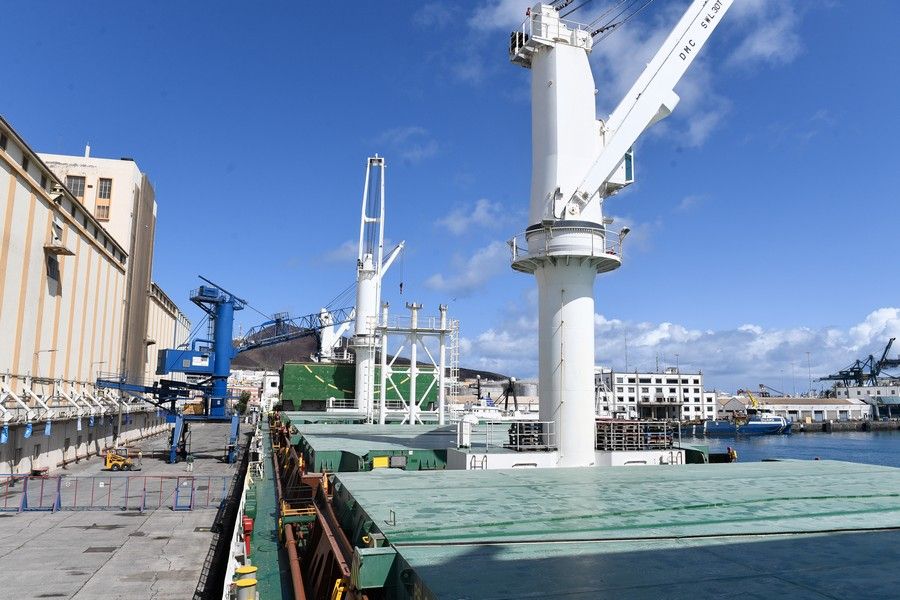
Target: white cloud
[(882, 323), (642, 232), (473, 272), (770, 32), (433, 14), (744, 356), (347, 251), (412, 144), (483, 213), (689, 202), (502, 14)]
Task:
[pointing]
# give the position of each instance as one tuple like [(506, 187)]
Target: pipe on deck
[(289, 538), (294, 562)]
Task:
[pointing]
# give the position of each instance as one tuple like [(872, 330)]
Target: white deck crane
[(577, 162), (371, 266)]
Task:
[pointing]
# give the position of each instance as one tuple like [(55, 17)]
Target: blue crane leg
[(224, 352), (176, 438)]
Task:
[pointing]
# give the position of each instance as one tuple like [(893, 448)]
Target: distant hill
[(270, 358)]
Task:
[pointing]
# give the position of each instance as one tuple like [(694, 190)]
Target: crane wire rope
[(607, 30), (605, 27), (341, 297)]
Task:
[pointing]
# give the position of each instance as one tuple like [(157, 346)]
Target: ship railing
[(617, 435), (521, 436), (521, 39), (341, 403), (404, 322), (598, 242)]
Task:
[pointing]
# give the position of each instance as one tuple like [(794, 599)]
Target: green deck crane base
[(266, 552), (799, 529), (304, 382)]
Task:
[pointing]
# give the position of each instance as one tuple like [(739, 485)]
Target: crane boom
[(650, 99)]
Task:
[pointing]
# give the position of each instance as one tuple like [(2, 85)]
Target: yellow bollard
[(246, 589), (246, 572)]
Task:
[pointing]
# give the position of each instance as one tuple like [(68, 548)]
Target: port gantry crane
[(865, 372), (577, 162), (211, 358)]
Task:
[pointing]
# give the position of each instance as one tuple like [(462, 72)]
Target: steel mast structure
[(371, 266), (577, 162)]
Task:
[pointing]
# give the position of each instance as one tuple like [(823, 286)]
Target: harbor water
[(875, 447)]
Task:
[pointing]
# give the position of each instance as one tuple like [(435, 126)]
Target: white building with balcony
[(667, 395)]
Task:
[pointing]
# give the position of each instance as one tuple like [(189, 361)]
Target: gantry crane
[(211, 358), (865, 372)]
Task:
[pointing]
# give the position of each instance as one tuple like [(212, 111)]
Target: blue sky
[(764, 215)]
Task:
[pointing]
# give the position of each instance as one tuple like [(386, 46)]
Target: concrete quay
[(116, 554), (834, 426)]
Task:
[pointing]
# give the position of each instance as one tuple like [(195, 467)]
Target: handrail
[(522, 248)]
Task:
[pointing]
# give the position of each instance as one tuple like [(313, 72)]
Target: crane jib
[(650, 98)]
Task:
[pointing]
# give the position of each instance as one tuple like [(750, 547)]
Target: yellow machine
[(118, 460)]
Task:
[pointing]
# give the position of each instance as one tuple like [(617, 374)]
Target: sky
[(763, 218)]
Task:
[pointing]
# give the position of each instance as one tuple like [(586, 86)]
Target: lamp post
[(37, 358), (809, 374)]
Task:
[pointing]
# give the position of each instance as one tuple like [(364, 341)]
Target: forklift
[(118, 460)]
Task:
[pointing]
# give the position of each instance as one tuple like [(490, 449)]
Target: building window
[(25, 163), (104, 190), (104, 194), (3, 140), (75, 185)]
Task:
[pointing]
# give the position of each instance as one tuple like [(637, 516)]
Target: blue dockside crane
[(211, 358)]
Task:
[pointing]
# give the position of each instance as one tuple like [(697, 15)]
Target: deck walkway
[(266, 551)]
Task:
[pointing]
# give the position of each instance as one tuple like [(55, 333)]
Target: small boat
[(758, 422)]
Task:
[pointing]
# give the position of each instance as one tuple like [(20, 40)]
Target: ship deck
[(801, 529)]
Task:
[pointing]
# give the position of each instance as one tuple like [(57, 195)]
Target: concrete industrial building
[(800, 410), (167, 327), (668, 395), (75, 299), (122, 199)]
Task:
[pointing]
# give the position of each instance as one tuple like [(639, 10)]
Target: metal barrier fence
[(20, 493)]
